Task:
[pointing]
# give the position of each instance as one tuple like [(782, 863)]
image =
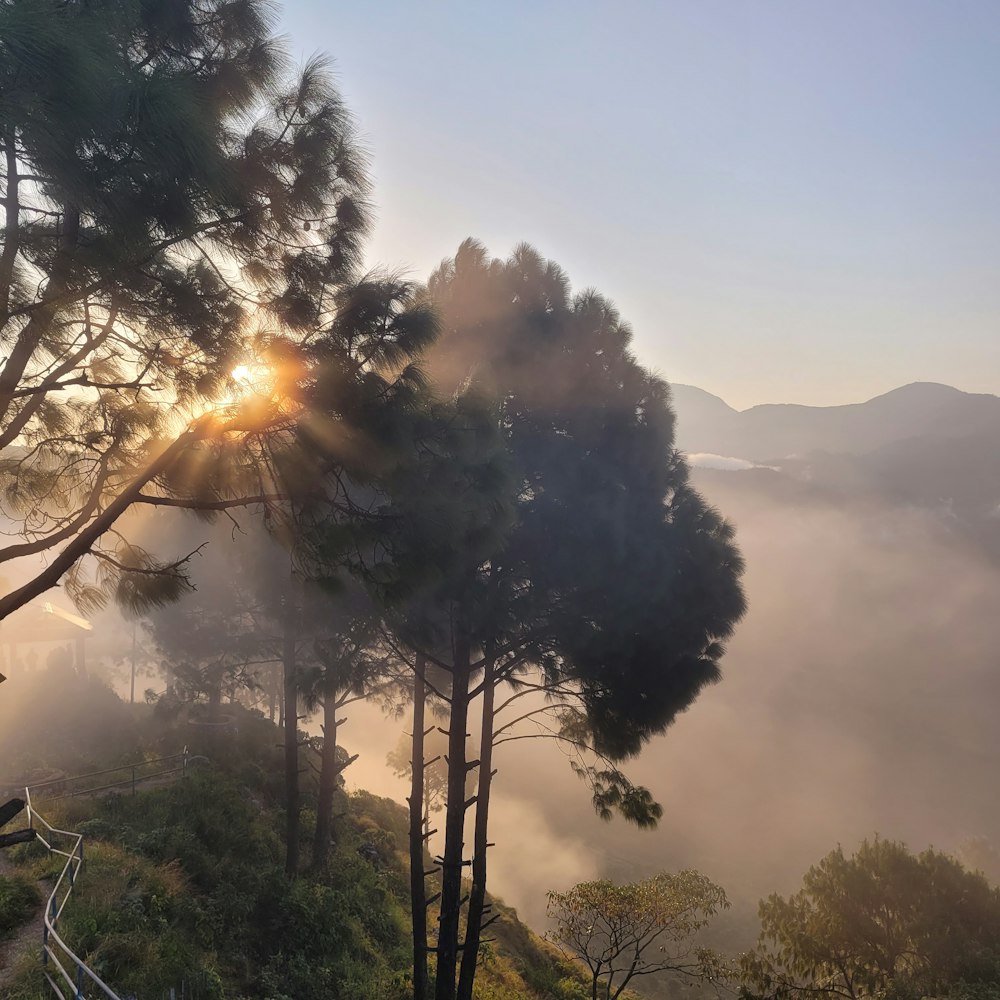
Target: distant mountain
[(772, 432), (924, 446)]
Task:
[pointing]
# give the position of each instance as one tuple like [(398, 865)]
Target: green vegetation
[(184, 885), (19, 898), (621, 932), (881, 923)]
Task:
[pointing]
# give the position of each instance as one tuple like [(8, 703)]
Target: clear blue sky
[(791, 201)]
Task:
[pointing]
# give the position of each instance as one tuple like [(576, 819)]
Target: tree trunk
[(454, 833), (418, 894), (131, 693), (328, 772), (292, 798), (477, 895), (214, 701), (279, 687)]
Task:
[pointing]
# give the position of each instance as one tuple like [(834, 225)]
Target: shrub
[(19, 899)]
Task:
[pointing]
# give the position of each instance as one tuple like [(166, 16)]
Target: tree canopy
[(569, 558), (618, 567), (880, 922), (177, 207), (623, 931)]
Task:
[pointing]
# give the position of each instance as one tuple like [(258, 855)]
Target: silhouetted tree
[(449, 508), (435, 769), (166, 187), (351, 664), (583, 571)]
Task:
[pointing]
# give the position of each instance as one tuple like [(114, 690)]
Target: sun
[(255, 379)]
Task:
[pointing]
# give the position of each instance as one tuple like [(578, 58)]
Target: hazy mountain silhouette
[(925, 446), (772, 432)]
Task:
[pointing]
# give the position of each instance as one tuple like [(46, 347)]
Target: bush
[(19, 899)]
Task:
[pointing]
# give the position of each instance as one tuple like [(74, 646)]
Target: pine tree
[(591, 579), (172, 200)]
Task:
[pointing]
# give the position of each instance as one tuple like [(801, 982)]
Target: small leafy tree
[(881, 922), (623, 931), (215, 639)]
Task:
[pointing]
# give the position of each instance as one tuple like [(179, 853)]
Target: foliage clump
[(19, 898), (881, 923), (621, 932)]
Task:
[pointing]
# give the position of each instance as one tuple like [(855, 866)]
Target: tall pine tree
[(596, 585), (171, 196)]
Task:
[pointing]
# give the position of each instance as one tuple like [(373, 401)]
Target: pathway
[(26, 938)]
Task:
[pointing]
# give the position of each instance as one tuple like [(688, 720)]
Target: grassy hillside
[(183, 888)]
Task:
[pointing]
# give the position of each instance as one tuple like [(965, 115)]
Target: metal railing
[(134, 775), (56, 954)]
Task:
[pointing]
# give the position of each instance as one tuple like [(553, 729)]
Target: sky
[(789, 201)]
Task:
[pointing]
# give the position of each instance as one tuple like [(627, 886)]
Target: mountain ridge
[(906, 388), (769, 432)]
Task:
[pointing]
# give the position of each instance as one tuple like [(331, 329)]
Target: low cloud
[(724, 463)]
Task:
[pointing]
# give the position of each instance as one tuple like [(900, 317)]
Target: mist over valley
[(394, 613)]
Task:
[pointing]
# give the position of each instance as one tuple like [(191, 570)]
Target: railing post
[(79, 982), (133, 780), (184, 762)]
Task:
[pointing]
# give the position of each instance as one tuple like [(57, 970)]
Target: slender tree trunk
[(292, 798), (214, 701), (272, 695), (477, 895), (418, 894), (12, 223), (279, 687), (131, 693), (454, 842), (28, 338), (328, 772)]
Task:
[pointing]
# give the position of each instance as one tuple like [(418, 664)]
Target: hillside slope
[(184, 890)]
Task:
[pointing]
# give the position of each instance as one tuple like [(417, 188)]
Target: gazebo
[(44, 623)]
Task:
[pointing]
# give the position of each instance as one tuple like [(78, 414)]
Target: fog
[(859, 696)]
